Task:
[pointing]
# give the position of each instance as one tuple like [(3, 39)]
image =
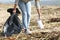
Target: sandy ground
[(50, 16)]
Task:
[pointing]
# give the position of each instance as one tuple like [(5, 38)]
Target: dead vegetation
[(50, 15)]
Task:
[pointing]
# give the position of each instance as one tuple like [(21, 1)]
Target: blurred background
[(50, 16), (42, 2)]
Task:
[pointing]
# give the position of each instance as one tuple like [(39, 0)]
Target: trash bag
[(12, 25), (10, 10)]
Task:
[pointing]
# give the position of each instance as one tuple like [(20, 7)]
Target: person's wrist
[(14, 11), (14, 8)]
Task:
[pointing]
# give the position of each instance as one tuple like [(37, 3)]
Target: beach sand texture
[(50, 16)]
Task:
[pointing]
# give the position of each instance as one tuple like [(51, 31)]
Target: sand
[(50, 16)]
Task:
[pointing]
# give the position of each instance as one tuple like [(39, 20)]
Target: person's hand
[(14, 11)]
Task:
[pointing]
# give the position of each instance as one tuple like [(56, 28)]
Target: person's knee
[(28, 14), (24, 13)]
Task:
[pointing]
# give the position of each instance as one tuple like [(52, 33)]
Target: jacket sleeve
[(37, 4), (16, 1)]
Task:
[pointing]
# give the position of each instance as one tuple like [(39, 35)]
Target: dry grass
[(50, 16)]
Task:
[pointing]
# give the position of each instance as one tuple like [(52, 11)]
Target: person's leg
[(24, 13), (23, 8), (28, 8)]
